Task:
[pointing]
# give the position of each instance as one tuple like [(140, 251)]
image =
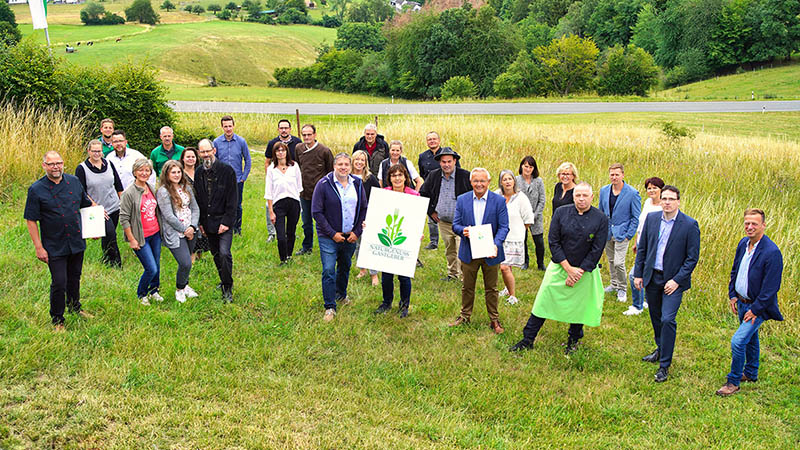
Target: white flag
[(38, 13)]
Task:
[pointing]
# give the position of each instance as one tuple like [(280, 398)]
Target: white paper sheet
[(481, 241), (93, 222)]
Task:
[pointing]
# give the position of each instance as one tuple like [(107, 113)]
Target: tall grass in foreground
[(27, 132), (265, 372)]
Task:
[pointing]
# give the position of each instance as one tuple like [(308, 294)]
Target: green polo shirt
[(107, 148), (159, 158)]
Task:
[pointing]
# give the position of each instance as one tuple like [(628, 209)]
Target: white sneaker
[(504, 292), (330, 313), (644, 306), (157, 297), (145, 301), (622, 296), (632, 311), (190, 293), (512, 300), (180, 295), (609, 289)]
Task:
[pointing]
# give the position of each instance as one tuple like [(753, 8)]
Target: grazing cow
[(118, 39)]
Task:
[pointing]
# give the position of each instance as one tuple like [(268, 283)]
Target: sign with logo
[(93, 222), (393, 233)]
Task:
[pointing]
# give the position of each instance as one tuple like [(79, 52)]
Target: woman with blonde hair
[(520, 217), (179, 218), (568, 177), (361, 170)]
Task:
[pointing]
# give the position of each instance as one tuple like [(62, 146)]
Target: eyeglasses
[(397, 174), (54, 164)]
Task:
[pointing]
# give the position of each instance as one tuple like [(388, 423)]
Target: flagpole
[(47, 35)]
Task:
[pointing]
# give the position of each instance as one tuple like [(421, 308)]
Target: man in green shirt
[(106, 128), (166, 151)]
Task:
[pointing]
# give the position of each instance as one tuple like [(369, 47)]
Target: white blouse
[(646, 209), (281, 185), (520, 214)]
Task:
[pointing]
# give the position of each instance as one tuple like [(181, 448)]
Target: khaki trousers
[(451, 243), (470, 271), (616, 251)]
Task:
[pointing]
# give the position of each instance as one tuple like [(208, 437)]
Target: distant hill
[(764, 83)]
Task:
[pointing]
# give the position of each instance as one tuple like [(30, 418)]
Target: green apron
[(581, 303)]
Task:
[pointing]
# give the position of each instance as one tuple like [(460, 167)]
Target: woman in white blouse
[(653, 203), (520, 217), (282, 192)]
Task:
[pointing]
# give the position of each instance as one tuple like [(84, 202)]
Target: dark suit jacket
[(495, 214), (221, 208), (433, 185), (763, 277), (680, 255)]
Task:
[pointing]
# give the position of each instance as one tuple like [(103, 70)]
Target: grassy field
[(266, 95), (235, 53), (266, 372), (765, 83)]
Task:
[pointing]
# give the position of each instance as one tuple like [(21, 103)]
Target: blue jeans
[(663, 310), (336, 260), (744, 347), (637, 295), (387, 286), (150, 257), (308, 224)]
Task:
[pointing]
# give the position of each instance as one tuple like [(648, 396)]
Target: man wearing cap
[(427, 163), (442, 187)]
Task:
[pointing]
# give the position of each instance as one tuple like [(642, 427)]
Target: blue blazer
[(495, 214), (763, 277), (680, 255), (623, 223)]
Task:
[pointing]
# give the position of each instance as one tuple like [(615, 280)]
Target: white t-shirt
[(646, 209), (124, 166), (520, 214)]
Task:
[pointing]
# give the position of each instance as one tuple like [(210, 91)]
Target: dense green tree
[(225, 14), (340, 7), (214, 7), (141, 11), (645, 32), (626, 70), (231, 6), (92, 12), (188, 8), (9, 34), (732, 36), (611, 21), (198, 9), (168, 5), (360, 36), (549, 11), (458, 88), (299, 5), (776, 29), (370, 11), (524, 77), (569, 63)]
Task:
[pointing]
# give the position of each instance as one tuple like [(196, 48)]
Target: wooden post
[(376, 121), (297, 116)]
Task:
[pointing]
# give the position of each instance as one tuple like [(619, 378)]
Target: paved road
[(482, 108)]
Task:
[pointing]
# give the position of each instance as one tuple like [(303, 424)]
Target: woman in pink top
[(139, 219), (400, 181)]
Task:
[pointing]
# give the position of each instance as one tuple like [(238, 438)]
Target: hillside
[(766, 84)]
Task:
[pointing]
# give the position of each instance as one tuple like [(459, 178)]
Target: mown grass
[(266, 372), (762, 83), (266, 95), (70, 14)]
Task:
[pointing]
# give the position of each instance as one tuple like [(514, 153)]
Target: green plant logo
[(392, 235)]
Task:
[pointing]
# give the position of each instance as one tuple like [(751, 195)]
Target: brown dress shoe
[(459, 321), (496, 327), (747, 379), (727, 389), (85, 314), (60, 328)]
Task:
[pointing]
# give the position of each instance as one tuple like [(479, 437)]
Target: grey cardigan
[(171, 226), (129, 216), (535, 193)]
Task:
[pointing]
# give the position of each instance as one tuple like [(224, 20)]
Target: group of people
[(198, 196)]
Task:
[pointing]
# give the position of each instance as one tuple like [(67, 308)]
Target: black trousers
[(538, 242), (287, 213), (220, 246), (65, 285), (535, 323), (111, 256)]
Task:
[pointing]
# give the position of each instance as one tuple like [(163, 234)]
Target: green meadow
[(763, 83), (267, 372)]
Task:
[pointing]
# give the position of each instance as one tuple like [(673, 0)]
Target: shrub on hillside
[(328, 22), (457, 88), (96, 14), (292, 15), (569, 63), (9, 33), (625, 71), (523, 78), (142, 12), (129, 93), (360, 36), (189, 137)]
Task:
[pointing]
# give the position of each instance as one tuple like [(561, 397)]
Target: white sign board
[(394, 226), (93, 222), (481, 241)]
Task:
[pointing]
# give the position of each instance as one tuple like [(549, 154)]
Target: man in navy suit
[(753, 292), (480, 207), (668, 251), (622, 205)]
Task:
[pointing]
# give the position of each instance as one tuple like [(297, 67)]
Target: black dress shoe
[(571, 346), (652, 357), (403, 312), (382, 309), (432, 246), (662, 374), (521, 345)]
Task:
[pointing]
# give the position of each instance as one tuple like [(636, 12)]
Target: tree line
[(513, 48)]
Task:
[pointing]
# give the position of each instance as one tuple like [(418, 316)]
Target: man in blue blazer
[(477, 208), (622, 205), (753, 293), (669, 248)]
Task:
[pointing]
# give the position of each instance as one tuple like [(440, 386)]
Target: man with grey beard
[(218, 198)]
